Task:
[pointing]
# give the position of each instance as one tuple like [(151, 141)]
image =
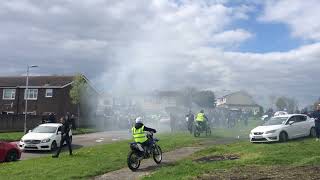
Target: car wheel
[(54, 146), (12, 156), (312, 132), (283, 137)]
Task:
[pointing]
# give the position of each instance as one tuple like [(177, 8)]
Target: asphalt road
[(84, 140)]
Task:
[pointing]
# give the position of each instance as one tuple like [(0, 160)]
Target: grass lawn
[(239, 130), (302, 153), (86, 162), (16, 136)]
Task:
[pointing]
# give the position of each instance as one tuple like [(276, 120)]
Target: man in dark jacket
[(138, 132), (51, 118), (316, 116), (190, 120), (65, 129)]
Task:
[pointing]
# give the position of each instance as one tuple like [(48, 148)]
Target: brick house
[(45, 94)]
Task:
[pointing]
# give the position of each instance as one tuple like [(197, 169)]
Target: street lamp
[(26, 98)]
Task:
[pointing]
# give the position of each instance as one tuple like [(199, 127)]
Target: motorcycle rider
[(139, 135), (202, 119)]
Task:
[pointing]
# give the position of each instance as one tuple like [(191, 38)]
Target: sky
[(268, 48)]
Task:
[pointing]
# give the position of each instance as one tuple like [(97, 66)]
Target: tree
[(79, 86), (204, 99), (290, 104), (281, 103)]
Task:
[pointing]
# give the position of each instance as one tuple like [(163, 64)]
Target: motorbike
[(198, 129), (138, 153)]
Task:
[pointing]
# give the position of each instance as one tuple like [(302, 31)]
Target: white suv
[(284, 127)]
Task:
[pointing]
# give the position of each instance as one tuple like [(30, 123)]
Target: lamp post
[(26, 98)]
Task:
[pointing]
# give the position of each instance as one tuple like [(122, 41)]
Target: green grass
[(11, 136), (16, 136), (239, 130), (86, 162), (294, 153)]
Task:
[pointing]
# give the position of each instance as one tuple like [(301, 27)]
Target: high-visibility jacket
[(200, 117), (139, 135)]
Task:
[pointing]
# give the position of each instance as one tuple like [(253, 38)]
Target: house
[(240, 100), (46, 94)]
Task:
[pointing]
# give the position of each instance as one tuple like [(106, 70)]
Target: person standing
[(316, 116), (190, 120), (65, 129), (51, 118)]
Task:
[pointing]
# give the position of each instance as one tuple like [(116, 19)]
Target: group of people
[(51, 118)]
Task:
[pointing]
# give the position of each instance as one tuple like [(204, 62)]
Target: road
[(85, 140)]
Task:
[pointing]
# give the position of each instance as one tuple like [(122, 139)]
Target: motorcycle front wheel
[(157, 154), (133, 161)]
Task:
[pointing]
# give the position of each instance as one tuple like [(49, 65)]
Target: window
[(49, 92), (302, 118), (9, 94), (32, 94)]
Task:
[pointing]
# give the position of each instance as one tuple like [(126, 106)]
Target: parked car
[(280, 113), (283, 128), (43, 137), (9, 151)]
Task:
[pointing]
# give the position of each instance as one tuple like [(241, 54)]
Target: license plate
[(257, 137), (30, 145)]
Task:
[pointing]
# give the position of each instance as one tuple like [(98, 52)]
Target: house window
[(9, 94), (32, 94), (49, 92)]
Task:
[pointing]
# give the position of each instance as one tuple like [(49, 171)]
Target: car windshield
[(44, 129), (275, 121)]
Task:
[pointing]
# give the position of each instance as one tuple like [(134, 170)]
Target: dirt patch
[(217, 158), (265, 173)]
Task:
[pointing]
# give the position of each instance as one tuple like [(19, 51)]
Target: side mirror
[(59, 132), (30, 131), (291, 122)]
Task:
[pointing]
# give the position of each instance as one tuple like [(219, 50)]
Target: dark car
[(9, 151)]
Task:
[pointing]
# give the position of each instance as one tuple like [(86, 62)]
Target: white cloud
[(301, 16)]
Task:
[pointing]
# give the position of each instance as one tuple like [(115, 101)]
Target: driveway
[(84, 140)]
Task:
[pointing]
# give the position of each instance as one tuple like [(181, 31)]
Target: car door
[(58, 136), (293, 129), (303, 126)]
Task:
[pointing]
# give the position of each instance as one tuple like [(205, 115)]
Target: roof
[(51, 124), (55, 81), (289, 115)]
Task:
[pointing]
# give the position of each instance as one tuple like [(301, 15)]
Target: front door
[(293, 129)]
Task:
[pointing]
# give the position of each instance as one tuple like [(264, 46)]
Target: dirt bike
[(138, 153), (198, 129)]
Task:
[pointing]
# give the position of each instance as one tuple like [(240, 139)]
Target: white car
[(43, 137), (282, 128)]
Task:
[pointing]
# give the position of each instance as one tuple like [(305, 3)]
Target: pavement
[(84, 140)]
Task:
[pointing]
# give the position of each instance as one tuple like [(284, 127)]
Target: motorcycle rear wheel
[(133, 161)]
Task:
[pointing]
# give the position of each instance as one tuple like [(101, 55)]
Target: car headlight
[(45, 140), (270, 132)]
